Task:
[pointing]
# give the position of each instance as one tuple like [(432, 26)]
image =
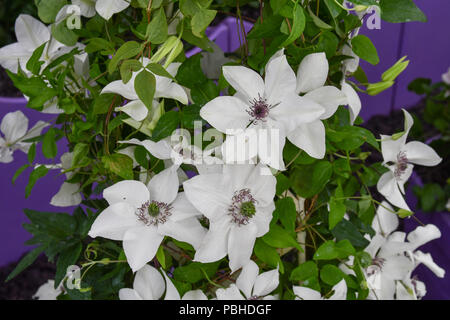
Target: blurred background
[(425, 44)]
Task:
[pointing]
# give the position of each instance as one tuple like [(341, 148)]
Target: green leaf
[(19, 172), (397, 11), (190, 72), (33, 64), (103, 102), (278, 237), (32, 153), (268, 254), (309, 180), (160, 255), (298, 26), (337, 212), (35, 175), (305, 271), (68, 257), (331, 274), (287, 213), (319, 22), (80, 153), (49, 147), (119, 164), (48, 9), (26, 261), (347, 230), (127, 68), (63, 34), (56, 225), (344, 249), (157, 28), (193, 273), (364, 48), (283, 184), (159, 70), (201, 20), (145, 86), (393, 72), (326, 251), (204, 93), (166, 125), (127, 50)]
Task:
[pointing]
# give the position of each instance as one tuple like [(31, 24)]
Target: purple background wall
[(427, 47)]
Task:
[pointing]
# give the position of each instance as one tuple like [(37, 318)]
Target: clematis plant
[(213, 175)]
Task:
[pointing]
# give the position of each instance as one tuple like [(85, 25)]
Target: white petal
[(280, 80), (240, 245), (114, 221), (30, 32), (397, 267), (375, 244), (354, 102), (171, 291), (194, 295), (266, 283), (36, 130), (305, 293), (427, 260), (310, 137), (161, 149), (87, 7), (262, 219), (13, 55), (140, 245), (187, 230), (245, 81), (129, 294), (215, 243), (351, 65), (421, 154), (409, 121), (135, 109), (125, 90), (133, 192), (172, 91), (422, 235), (312, 72), (67, 196), (231, 293), (294, 111), (209, 194), (164, 186), (14, 126), (226, 113), (328, 97), (340, 291), (385, 221), (270, 148), (390, 148), (262, 186), (247, 278), (107, 8), (387, 186), (183, 209), (149, 283)]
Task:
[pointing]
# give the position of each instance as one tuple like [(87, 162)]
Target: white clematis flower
[(399, 158), (141, 216), (304, 293), (87, 7), (69, 193), (311, 77), (105, 8), (165, 88), (250, 285), (14, 127), (238, 203), (393, 258), (260, 107)]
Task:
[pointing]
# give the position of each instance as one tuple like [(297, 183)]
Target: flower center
[(259, 109), (402, 164), (153, 213), (376, 266), (242, 207)]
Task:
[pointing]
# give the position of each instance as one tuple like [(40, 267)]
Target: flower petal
[(14, 126), (171, 291), (129, 294), (312, 72), (387, 186), (304, 293), (67, 196), (194, 295), (240, 245), (310, 137), (247, 278), (427, 260), (164, 186), (266, 283), (171, 90), (230, 293), (215, 243), (183, 209), (187, 230), (328, 97), (160, 149), (245, 81), (340, 291), (280, 80), (30, 32), (107, 8), (125, 90), (354, 102), (13, 55), (422, 235), (135, 109), (421, 154), (114, 221), (385, 221), (226, 113), (140, 245), (132, 192), (149, 283)]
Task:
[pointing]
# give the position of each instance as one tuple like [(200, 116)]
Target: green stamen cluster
[(248, 209), (153, 209)]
